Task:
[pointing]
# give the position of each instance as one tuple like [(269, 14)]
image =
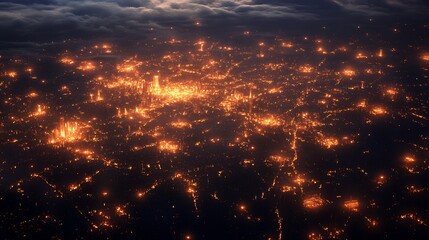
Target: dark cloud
[(383, 7), (55, 19)]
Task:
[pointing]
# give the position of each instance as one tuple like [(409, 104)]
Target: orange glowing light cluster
[(329, 142), (416, 189), (178, 92), (349, 72), (242, 207), (120, 211), (73, 187), (129, 66), (67, 61), (233, 100), (362, 104), (425, 57), (299, 180), (33, 94), (313, 202), (85, 152), (278, 158), (381, 180), (322, 50), (168, 146), (97, 98), (378, 111), (315, 236), (181, 124), (269, 121), (66, 132), (409, 159), (361, 56), (11, 74), (306, 69), (287, 44), (415, 218), (352, 205), (391, 91), (86, 66), (287, 188), (40, 110)]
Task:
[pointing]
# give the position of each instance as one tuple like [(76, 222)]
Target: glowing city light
[(352, 205), (66, 132), (313, 202)]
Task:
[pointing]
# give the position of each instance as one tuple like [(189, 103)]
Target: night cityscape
[(214, 119)]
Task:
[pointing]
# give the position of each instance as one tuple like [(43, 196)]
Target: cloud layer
[(26, 19)]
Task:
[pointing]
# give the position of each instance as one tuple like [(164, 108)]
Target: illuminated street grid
[(301, 138)]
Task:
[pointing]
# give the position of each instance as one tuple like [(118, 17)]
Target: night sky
[(56, 20), (214, 119)]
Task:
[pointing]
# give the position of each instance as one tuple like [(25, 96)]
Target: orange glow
[(415, 218), (40, 110), (278, 158), (242, 207), (181, 124), (361, 55), (287, 188), (120, 211), (299, 180), (409, 159), (178, 92), (66, 132), (381, 180), (97, 98), (329, 142), (73, 187), (287, 44), (269, 121), (67, 61), (352, 205), (87, 66), (168, 146), (315, 236), (129, 66), (11, 74), (313, 202), (391, 91), (362, 104), (306, 69), (33, 94), (378, 111), (349, 72), (380, 53)]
